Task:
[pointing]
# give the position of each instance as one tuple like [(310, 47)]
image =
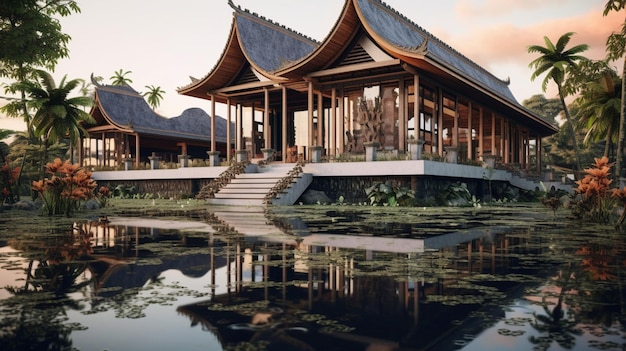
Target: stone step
[(241, 195), (245, 190), (235, 202)]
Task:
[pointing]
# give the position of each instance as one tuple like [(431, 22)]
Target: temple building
[(128, 129), (376, 79)]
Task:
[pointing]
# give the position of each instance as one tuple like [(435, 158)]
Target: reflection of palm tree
[(36, 325), (553, 323)]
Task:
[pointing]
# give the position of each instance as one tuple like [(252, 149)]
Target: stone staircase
[(250, 188)]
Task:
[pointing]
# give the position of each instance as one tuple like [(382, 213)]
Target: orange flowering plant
[(596, 201), (67, 186), (8, 183)]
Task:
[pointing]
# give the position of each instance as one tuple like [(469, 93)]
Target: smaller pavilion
[(127, 128)]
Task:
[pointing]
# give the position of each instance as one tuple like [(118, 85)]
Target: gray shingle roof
[(126, 107), (403, 33), (269, 45)]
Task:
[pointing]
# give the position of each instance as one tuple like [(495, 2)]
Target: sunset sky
[(163, 43)]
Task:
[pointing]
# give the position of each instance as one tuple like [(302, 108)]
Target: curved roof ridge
[(284, 28), (194, 81), (429, 35)]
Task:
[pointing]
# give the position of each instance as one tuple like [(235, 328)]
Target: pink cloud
[(508, 43), (468, 9)]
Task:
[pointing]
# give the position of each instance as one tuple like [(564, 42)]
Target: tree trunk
[(622, 120), (571, 126), (607, 142)]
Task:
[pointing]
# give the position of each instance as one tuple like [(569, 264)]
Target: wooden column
[(310, 111), (212, 122), (228, 131), (439, 121), (319, 136), (402, 117), (416, 106), (342, 124), (493, 134), (137, 150), (266, 118), (333, 123), (470, 141), (284, 131), (481, 132), (238, 122), (455, 132)]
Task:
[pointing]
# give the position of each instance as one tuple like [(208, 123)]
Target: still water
[(317, 278)]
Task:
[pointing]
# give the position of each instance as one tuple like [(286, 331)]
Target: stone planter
[(214, 158), (370, 151), (415, 149), (452, 154), (183, 161), (154, 161), (241, 155), (316, 154), (267, 153), (489, 160), (128, 164)]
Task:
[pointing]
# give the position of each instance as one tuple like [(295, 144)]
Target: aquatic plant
[(104, 194), (68, 185), (595, 201)]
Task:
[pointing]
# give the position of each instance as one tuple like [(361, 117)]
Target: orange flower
[(39, 186), (620, 194), (69, 169), (54, 166)]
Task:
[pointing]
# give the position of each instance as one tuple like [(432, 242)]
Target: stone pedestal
[(267, 153), (241, 155), (214, 158), (370, 151), (128, 164), (316, 154), (415, 149), (489, 160), (154, 161), (183, 161), (452, 154)]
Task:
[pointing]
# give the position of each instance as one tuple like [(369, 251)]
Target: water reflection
[(240, 280)]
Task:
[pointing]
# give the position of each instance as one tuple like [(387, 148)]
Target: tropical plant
[(58, 116), (599, 108), (389, 194), (596, 201), (154, 96), (67, 186), (557, 63), (616, 49), (119, 77)]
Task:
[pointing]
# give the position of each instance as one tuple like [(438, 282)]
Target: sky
[(163, 43)]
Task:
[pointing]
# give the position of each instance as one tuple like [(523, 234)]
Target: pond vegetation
[(162, 273)]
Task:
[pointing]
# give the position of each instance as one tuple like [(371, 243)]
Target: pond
[(513, 277)]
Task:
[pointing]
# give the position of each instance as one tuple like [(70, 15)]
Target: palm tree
[(57, 117), (599, 109), (154, 95), (557, 63), (616, 48), (119, 77)]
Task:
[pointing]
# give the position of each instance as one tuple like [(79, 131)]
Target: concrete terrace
[(263, 179)]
